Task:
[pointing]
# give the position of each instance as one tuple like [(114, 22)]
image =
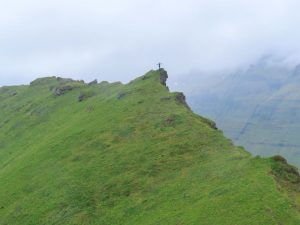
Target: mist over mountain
[(257, 107), (117, 40)]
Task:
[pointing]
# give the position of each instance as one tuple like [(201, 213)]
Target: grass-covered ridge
[(72, 153)]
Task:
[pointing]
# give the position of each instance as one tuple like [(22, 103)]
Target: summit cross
[(159, 65)]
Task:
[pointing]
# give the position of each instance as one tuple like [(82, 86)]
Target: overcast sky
[(120, 39)]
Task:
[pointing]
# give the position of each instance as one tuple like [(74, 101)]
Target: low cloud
[(118, 40)]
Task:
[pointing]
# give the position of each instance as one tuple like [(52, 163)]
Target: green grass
[(129, 154)]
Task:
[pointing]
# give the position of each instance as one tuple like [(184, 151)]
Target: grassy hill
[(109, 154), (257, 108)]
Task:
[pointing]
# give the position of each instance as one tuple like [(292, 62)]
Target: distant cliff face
[(258, 108), (129, 154)]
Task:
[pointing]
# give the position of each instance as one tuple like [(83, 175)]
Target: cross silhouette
[(159, 65)]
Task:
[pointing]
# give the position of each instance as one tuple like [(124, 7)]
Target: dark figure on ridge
[(159, 65)]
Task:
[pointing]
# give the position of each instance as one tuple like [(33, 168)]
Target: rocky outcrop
[(58, 91), (163, 77), (85, 95), (285, 172), (210, 123), (93, 82), (180, 99), (81, 97), (121, 95), (279, 158)]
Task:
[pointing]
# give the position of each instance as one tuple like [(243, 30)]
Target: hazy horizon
[(119, 40)]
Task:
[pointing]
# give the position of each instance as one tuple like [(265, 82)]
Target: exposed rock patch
[(85, 95), (93, 82), (58, 91), (210, 123), (163, 77), (285, 172), (279, 158), (121, 95), (171, 121), (13, 93), (81, 97), (180, 99)]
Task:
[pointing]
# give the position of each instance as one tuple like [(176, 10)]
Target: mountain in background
[(258, 108), (108, 153)]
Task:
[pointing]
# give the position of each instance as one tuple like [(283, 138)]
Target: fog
[(118, 40)]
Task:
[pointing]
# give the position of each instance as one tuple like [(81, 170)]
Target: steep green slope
[(72, 153), (258, 108)]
